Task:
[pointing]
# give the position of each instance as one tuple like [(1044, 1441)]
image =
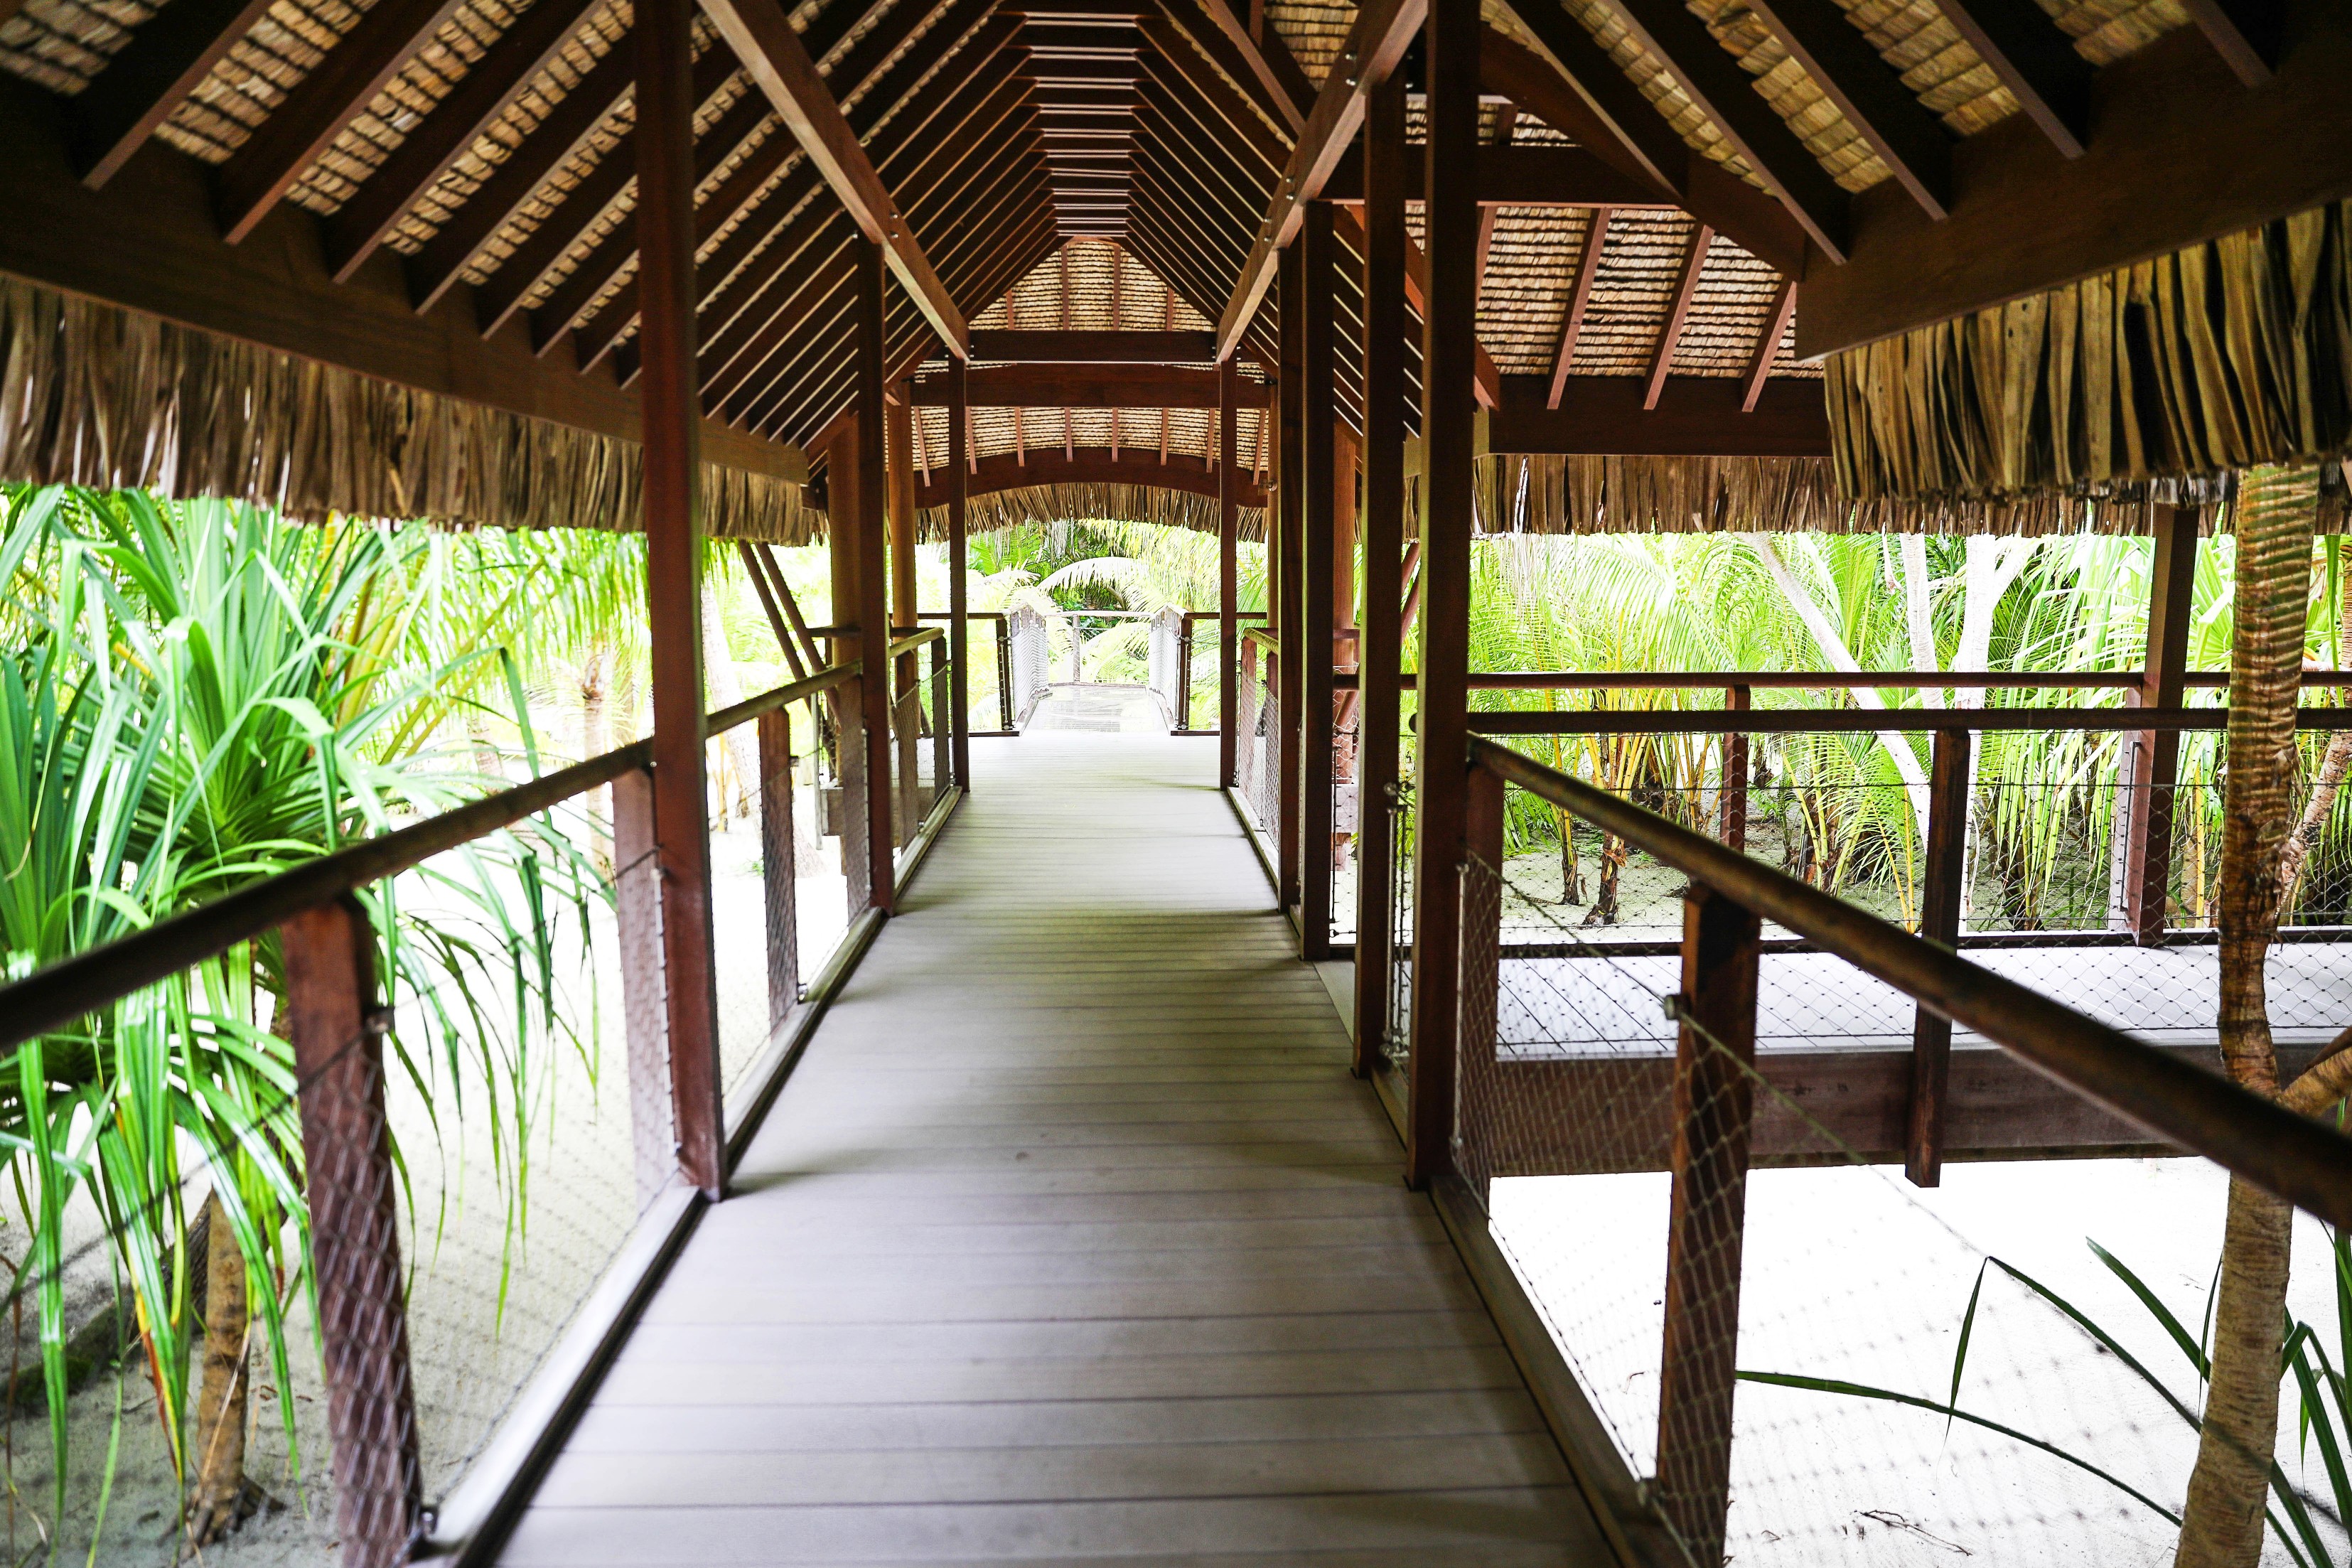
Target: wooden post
[(872, 608), (1290, 540), (1707, 1217), (1939, 921), (1485, 804), (776, 865), (1379, 651), (1317, 619), (1734, 805), (1228, 579), (1183, 715), (2156, 754), (906, 732), (672, 416), (338, 1035), (850, 750), (1448, 421), (959, 608), (637, 911)]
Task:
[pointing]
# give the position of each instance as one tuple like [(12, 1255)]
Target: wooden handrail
[(1869, 721), (1827, 680), (74, 987), (2296, 1157)]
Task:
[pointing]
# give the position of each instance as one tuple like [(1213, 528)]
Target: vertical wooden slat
[(338, 1037), (1379, 651), (1449, 415), (1288, 543), (638, 914), (1734, 813), (873, 606), (1228, 571), (1318, 266), (777, 870), (959, 605), (1940, 920), (2156, 754), (672, 412), (1714, 1109)]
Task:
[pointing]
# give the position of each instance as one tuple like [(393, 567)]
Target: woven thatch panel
[(1084, 503), (1529, 267), (1092, 285), (1632, 293), (1316, 33), (2223, 355), (1729, 310), (90, 395)]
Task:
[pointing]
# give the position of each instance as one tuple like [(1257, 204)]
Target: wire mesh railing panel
[(1809, 1360), (1027, 636)]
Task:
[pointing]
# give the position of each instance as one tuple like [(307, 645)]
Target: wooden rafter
[(166, 60), (1768, 345), (1506, 118), (2034, 60), (1908, 138), (1580, 296), (1670, 335)]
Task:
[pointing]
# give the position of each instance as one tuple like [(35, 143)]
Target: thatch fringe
[(92, 394), (2183, 369), (1075, 502)]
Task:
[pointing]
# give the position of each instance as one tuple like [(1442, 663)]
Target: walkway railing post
[(645, 1001), (1379, 654), (2155, 755), (777, 868), (1940, 920), (1285, 552), (672, 414), (1449, 415), (350, 1185), (1714, 1107), (1732, 810), (1319, 619), (1228, 579), (959, 606), (906, 706), (871, 608)]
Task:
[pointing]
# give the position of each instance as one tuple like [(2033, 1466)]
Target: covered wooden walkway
[(1070, 1240)]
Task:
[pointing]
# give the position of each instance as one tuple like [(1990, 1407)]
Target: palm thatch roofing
[(383, 256)]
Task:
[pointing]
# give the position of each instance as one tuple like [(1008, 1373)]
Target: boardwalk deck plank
[(1070, 1242)]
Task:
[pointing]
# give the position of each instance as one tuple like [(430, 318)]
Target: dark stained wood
[(772, 52), (352, 1188), (1733, 825), (1768, 344), (1714, 1112), (1580, 299), (167, 58), (1449, 474), (757, 564), (425, 154), (644, 1004), (1050, 347), (1521, 175), (778, 878), (1940, 891), (2034, 60), (2180, 153), (2247, 34), (673, 522), (1285, 589), (2155, 757), (1320, 613), (1569, 80), (1507, 117), (871, 542), (959, 588), (1669, 333), (1379, 650), (1910, 140), (1696, 415), (1087, 386), (309, 118), (1229, 478)]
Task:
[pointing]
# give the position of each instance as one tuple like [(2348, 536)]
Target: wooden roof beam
[(1507, 119), (1237, 55), (1695, 415), (307, 121), (512, 64), (1528, 174), (1670, 335), (1114, 347), (1383, 29), (1085, 387), (772, 52), (1768, 344), (2247, 34), (1579, 297), (2034, 60), (1909, 139), (168, 57), (1088, 464)]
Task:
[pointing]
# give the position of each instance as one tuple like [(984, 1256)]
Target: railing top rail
[(909, 638), (73, 987), (2294, 1156), (968, 615), (1838, 681), (1270, 641), (1867, 720)]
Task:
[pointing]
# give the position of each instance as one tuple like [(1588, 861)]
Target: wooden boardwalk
[(1070, 1241)]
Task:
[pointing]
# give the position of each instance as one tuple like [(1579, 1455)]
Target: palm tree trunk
[(2223, 1524), (2335, 767), (218, 1500)]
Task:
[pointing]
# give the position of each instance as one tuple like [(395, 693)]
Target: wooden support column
[(338, 1035), (1485, 808), (1939, 921), (850, 750), (673, 520), (637, 899), (1318, 614), (872, 608), (1734, 805), (959, 606), (2156, 754), (1448, 422), (1378, 649), (1229, 576), (906, 737), (1291, 483), (1706, 1216), (777, 870)]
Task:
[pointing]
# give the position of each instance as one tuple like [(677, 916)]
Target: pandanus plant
[(194, 697)]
